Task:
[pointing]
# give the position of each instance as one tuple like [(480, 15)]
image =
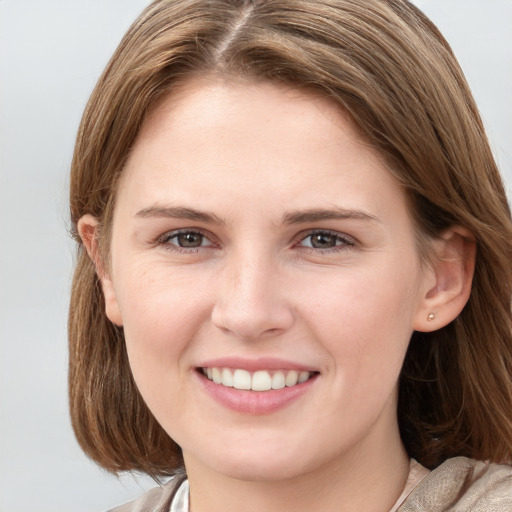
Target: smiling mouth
[(261, 380)]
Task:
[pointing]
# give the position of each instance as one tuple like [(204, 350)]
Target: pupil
[(190, 239), (323, 240)]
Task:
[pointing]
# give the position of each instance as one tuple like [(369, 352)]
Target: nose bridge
[(251, 301)]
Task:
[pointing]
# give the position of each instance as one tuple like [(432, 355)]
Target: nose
[(251, 300)]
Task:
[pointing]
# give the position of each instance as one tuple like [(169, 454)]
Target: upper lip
[(256, 364)]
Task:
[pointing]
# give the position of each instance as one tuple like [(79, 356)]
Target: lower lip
[(254, 402)]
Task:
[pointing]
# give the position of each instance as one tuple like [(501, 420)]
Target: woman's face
[(259, 243)]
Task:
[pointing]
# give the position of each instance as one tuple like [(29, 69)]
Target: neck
[(370, 481)]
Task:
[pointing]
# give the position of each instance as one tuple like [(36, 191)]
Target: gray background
[(51, 54)]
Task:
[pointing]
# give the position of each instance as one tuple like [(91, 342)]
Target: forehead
[(215, 140), (226, 104)]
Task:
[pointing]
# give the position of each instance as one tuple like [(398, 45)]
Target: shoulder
[(463, 485), (158, 499)]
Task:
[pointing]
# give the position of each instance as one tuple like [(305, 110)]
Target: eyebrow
[(315, 215), (179, 212), (296, 217)]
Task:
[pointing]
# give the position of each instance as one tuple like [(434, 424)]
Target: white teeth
[(227, 377), (261, 380), (278, 381), (216, 376), (291, 378), (242, 379), (303, 377)]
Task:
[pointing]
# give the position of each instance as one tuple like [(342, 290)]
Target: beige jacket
[(457, 485)]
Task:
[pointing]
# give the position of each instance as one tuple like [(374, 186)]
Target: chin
[(261, 471), (259, 463)]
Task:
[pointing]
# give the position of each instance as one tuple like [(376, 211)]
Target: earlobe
[(448, 281), (88, 227)]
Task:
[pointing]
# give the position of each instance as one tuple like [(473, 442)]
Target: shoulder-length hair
[(395, 75)]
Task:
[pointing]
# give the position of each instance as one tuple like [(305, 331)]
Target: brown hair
[(389, 67)]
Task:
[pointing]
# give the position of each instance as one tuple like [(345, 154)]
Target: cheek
[(364, 321), (162, 318), (161, 325)]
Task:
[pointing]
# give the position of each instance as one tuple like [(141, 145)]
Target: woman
[(294, 274)]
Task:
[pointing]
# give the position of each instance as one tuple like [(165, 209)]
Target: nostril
[(250, 321)]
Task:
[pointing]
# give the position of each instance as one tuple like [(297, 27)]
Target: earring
[(431, 317)]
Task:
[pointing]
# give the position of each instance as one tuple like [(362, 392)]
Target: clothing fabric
[(170, 497), (417, 473), (457, 485), (463, 485)]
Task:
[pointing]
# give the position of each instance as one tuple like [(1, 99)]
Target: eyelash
[(165, 240), (342, 242)]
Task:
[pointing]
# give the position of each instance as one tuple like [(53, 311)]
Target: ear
[(88, 229), (447, 283)]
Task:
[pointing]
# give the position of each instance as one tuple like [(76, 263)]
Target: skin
[(256, 160)]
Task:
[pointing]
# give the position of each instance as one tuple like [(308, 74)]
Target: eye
[(326, 240), (185, 239), (190, 239)]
